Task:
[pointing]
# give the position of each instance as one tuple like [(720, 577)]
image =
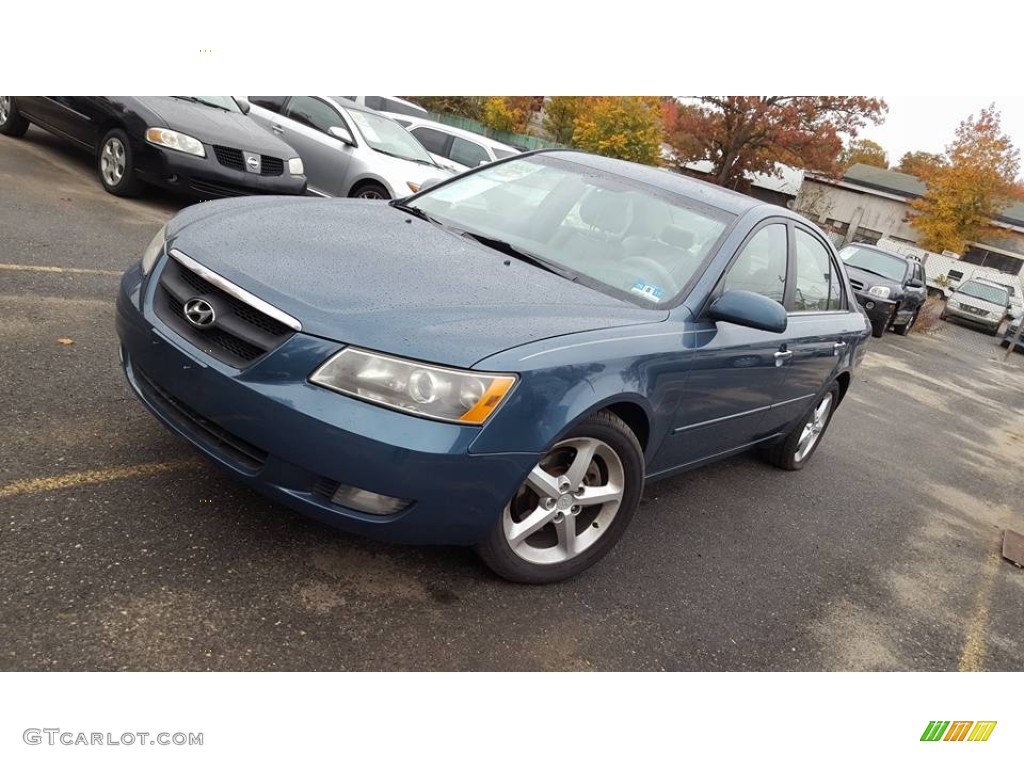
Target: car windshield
[(387, 136), (989, 293), (878, 263), (615, 235), (221, 102)]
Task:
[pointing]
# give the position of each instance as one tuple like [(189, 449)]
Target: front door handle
[(839, 345), (276, 128), (782, 356)]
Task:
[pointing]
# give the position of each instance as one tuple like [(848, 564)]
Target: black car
[(202, 146), (890, 287)]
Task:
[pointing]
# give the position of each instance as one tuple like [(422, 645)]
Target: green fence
[(514, 139)]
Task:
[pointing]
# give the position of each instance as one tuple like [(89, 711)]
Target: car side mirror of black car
[(749, 309), (914, 283), (342, 135)]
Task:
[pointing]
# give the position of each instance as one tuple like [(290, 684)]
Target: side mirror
[(749, 309), (425, 185), (914, 283), (243, 104), (342, 135)]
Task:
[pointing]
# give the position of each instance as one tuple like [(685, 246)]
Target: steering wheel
[(649, 267)]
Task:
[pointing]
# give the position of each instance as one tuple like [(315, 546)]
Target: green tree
[(626, 127), (560, 114), (976, 182)]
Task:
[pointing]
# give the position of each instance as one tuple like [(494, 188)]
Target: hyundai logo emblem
[(199, 313)]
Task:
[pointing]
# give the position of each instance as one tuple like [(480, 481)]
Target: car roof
[(478, 137), (670, 181)]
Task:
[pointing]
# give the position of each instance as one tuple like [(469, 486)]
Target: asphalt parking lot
[(119, 549)]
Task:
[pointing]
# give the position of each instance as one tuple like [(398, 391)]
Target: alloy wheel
[(813, 428), (567, 502), (113, 161), (5, 108)]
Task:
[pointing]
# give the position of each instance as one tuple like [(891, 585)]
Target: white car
[(347, 150), (392, 106), (453, 147)]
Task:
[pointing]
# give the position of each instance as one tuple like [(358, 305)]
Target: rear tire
[(573, 508), (795, 449), (11, 121), (878, 328)]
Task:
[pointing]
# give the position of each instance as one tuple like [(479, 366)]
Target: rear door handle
[(782, 356)]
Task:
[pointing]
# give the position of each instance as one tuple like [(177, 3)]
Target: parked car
[(455, 148), (890, 287), (348, 150), (1011, 333), (389, 105), (201, 146), (500, 361), (978, 302)]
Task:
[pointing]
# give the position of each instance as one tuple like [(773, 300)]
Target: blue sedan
[(501, 360)]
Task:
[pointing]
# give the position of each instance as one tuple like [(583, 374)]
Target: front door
[(305, 127)]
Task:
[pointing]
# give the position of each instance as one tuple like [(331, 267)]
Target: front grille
[(213, 436), (208, 188), (325, 488), (857, 284), (231, 157), (240, 335)]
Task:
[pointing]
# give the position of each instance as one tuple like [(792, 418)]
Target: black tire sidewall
[(15, 125), (783, 454), (496, 551), (358, 192)]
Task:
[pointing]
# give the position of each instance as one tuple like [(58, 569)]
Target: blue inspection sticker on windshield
[(649, 292)]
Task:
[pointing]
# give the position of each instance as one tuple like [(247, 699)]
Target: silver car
[(347, 150), (979, 302)]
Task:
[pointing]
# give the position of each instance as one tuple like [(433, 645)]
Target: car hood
[(217, 126), (870, 279), (365, 273)]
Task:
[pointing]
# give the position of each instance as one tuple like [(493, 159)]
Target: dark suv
[(890, 287)]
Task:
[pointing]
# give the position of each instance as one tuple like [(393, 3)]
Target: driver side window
[(761, 266)]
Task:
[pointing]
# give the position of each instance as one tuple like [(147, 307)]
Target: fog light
[(869, 305), (368, 501)]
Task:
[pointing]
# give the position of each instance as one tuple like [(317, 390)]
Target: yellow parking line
[(74, 479), (67, 270), (973, 656)]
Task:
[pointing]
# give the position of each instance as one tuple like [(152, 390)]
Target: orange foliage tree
[(742, 135), (976, 182), (920, 164), (626, 127), (864, 151)]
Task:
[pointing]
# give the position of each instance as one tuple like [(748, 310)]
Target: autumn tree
[(920, 164), (626, 127), (508, 113), (866, 152), (560, 115), (463, 106), (743, 135), (979, 178)]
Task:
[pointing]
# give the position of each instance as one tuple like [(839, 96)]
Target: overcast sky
[(928, 123)]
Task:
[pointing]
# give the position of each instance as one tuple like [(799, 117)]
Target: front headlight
[(880, 291), (164, 137), (153, 251), (439, 393), (295, 166)]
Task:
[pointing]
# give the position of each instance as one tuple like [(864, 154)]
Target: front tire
[(904, 330), (795, 449), (11, 121), (573, 507), (371, 191), (117, 166)]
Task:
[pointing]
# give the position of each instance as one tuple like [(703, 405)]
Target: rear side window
[(432, 141), (273, 103), (401, 108), (814, 276), (761, 265), (374, 102), (313, 113), (468, 153)]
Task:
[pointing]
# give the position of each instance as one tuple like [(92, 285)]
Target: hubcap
[(371, 194), (567, 503), (5, 108), (813, 428), (112, 161)]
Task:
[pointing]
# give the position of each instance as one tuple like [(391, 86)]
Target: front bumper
[(878, 310), (989, 323), (294, 441), (206, 179)]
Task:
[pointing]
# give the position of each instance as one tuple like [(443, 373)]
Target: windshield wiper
[(517, 253), (196, 100), (401, 157), (417, 212), (871, 271)]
